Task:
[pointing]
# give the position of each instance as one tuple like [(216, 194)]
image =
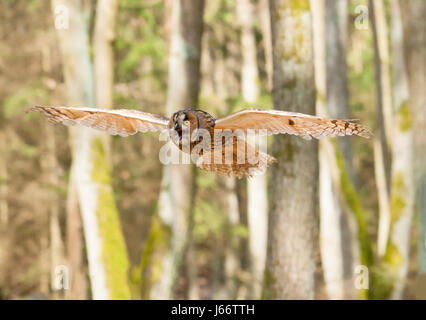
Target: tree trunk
[(4, 207), (192, 272), (249, 73), (232, 264), (338, 237), (106, 249), (257, 216), (336, 17), (290, 262), (50, 167), (338, 229), (104, 36), (265, 21), (177, 196), (74, 241), (382, 142), (414, 25), (45, 254), (380, 30), (257, 213), (403, 185)]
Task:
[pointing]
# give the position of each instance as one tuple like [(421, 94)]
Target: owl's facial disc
[(181, 124)]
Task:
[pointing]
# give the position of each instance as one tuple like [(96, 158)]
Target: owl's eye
[(186, 122)]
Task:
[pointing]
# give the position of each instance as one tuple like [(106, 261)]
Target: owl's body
[(217, 145), (224, 153)]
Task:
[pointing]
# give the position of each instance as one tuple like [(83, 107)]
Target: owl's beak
[(178, 130)]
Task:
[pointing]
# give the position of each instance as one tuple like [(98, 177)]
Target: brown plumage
[(213, 141)]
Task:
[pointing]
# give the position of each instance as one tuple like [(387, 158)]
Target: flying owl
[(189, 129)]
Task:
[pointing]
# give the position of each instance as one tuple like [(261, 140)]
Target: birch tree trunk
[(257, 209), (403, 184), (378, 17), (257, 215), (249, 73), (338, 107), (265, 22), (104, 36), (414, 25), (382, 142), (232, 262), (106, 249), (290, 262), (338, 231), (177, 196), (336, 17)]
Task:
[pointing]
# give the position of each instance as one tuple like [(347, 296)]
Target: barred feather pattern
[(123, 122), (245, 160), (278, 122)]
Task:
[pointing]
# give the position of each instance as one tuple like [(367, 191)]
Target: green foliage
[(382, 282), (220, 11), (385, 273), (296, 7), (302, 5), (125, 101), (16, 103), (206, 180), (208, 218), (30, 5), (33, 5), (239, 231), (142, 38), (19, 145), (238, 103)]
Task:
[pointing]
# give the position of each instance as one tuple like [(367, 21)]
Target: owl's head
[(182, 124), (184, 120)]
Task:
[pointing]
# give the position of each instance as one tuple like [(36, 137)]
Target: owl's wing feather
[(277, 122), (123, 122)]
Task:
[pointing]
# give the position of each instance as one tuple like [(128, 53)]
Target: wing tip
[(349, 127), (364, 132), (34, 109)]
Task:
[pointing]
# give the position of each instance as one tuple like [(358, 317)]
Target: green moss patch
[(405, 118), (114, 252)]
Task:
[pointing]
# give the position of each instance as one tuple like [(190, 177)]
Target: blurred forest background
[(85, 216)]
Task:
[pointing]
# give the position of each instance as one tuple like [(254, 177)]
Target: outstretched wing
[(123, 122), (276, 122)]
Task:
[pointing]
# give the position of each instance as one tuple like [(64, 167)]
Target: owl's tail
[(246, 162)]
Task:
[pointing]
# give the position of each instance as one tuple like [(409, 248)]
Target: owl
[(217, 145)]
